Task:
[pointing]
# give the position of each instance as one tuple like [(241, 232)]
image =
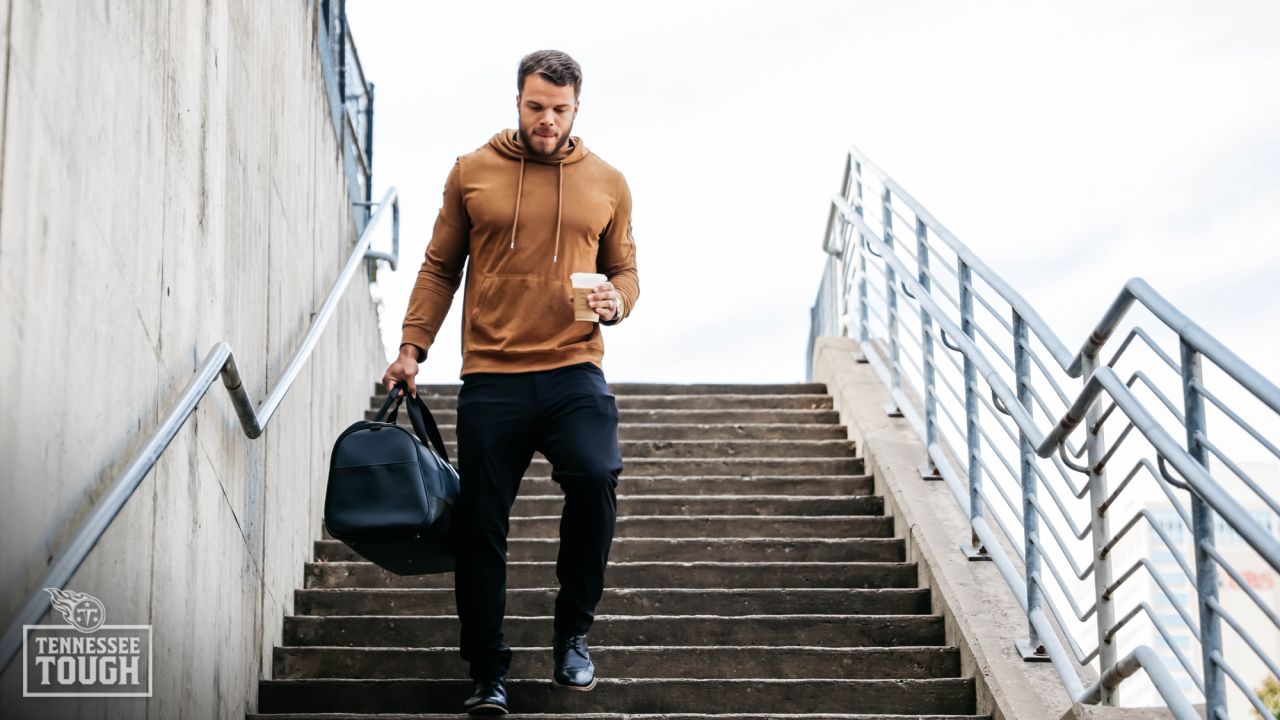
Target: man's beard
[(527, 141)]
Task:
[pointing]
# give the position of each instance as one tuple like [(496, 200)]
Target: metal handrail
[(886, 289), (220, 361)]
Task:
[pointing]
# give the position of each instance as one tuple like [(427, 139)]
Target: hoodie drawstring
[(559, 210), (555, 254), (519, 189)]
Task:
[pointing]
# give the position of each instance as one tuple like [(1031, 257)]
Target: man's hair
[(554, 66)]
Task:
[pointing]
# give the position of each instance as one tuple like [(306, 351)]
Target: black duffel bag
[(391, 495)]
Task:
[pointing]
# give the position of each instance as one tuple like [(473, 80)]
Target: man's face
[(546, 115)]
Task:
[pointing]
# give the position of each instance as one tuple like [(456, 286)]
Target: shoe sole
[(487, 709), (578, 688)]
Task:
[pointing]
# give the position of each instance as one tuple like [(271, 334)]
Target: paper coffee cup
[(583, 283)]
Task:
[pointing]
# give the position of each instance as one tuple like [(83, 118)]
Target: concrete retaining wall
[(170, 178)]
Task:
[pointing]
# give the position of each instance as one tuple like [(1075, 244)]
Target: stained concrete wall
[(170, 178)]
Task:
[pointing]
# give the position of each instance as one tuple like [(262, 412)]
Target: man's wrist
[(617, 313), (410, 350)]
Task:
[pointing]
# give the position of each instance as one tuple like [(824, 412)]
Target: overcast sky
[(1072, 145)]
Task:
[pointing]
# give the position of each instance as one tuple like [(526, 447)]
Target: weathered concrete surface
[(170, 179), (737, 608), (982, 617), (1102, 712), (689, 549), (698, 574), (655, 661), (661, 696), (625, 601)]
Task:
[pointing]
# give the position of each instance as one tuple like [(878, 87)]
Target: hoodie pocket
[(524, 313)]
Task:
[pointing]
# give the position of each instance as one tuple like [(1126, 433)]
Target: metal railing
[(983, 381), (219, 362), (351, 97)]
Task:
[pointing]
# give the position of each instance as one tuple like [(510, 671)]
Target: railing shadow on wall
[(983, 381)]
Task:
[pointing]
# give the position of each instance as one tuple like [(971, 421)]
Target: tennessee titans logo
[(82, 611)]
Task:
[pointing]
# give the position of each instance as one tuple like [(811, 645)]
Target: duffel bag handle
[(424, 423), (393, 398)]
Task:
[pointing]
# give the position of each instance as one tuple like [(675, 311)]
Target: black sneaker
[(573, 667), (489, 698)]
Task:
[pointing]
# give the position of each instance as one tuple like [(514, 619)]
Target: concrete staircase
[(753, 574)]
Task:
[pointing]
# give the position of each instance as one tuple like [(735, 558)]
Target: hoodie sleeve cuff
[(417, 338)]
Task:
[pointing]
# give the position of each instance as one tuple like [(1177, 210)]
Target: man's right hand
[(405, 369)]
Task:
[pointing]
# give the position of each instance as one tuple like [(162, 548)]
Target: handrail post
[(928, 470), (1031, 649), (1202, 535), (839, 270), (1095, 448), (975, 550), (863, 332), (368, 146), (891, 286)]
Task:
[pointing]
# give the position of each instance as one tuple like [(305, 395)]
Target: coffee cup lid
[(586, 279)]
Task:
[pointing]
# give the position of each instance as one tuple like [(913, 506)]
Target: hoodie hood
[(506, 143)]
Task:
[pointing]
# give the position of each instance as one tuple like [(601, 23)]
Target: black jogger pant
[(569, 415)]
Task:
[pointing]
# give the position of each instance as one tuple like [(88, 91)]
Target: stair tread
[(426, 389), (663, 695), (615, 716), (688, 661)]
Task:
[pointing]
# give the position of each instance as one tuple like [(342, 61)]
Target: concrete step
[(630, 695), (623, 601), (688, 549), (727, 661), (643, 575), (719, 526), (749, 401), (616, 716), (721, 466), (628, 415), (846, 485), (765, 505), (534, 631), (695, 431), (723, 526), (451, 389), (634, 449)]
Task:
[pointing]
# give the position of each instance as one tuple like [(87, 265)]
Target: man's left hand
[(604, 300)]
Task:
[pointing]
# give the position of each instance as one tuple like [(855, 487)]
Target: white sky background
[(1072, 145)]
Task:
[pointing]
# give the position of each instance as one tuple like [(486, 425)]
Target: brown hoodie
[(528, 223)]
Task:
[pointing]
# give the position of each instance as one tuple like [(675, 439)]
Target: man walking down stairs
[(752, 574)]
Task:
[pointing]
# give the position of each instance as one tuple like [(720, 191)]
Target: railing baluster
[(928, 470), (841, 269), (863, 333), (1202, 519), (1031, 648), (975, 550), (1095, 448), (891, 288)]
